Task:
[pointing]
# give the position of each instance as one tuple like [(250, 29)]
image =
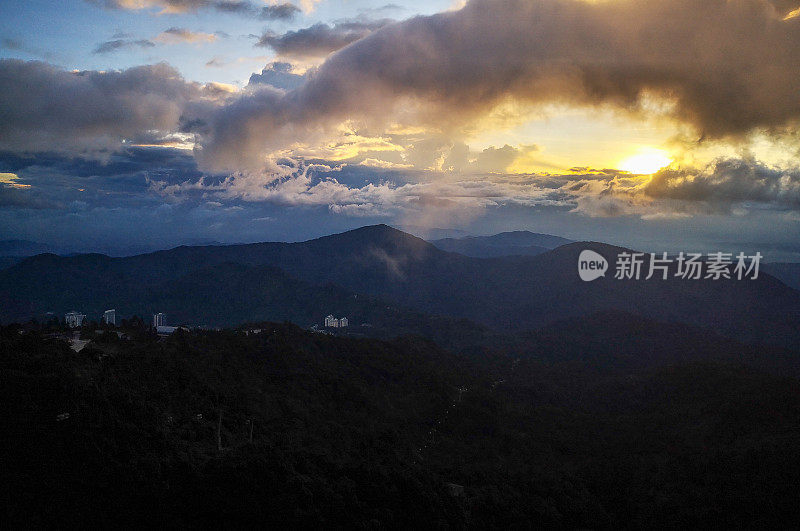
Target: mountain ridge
[(504, 293), (512, 243)]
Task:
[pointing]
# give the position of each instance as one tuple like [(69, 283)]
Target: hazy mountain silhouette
[(8, 261), (517, 243), (24, 248), (433, 233), (505, 293), (788, 273)]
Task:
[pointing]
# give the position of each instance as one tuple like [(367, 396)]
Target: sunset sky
[(658, 124)]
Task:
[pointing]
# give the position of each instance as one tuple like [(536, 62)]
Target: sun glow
[(646, 162)]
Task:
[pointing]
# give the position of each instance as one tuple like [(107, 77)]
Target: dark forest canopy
[(288, 427)]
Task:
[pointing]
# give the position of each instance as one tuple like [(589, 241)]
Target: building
[(74, 319), (110, 317), (159, 319), (454, 489), (169, 330), (333, 322)]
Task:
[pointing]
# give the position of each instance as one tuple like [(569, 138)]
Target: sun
[(646, 162)]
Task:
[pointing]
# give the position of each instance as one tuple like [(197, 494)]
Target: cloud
[(319, 185), (439, 153), (320, 39), (220, 61), (401, 98), (725, 68), (45, 108), (11, 180), (14, 198), (386, 8), (10, 44), (173, 35), (379, 163), (284, 11), (723, 187), (178, 35), (729, 181), (490, 160), (216, 62), (121, 44), (167, 6), (18, 45), (279, 75), (609, 197)]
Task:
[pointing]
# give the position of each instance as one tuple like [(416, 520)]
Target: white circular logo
[(591, 265)]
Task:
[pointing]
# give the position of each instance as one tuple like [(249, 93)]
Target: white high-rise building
[(159, 319), (74, 319), (110, 317), (333, 322)]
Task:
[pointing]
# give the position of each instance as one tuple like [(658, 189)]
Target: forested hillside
[(223, 285), (286, 427)]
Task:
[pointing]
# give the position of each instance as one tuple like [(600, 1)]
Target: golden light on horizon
[(10, 179), (646, 162)]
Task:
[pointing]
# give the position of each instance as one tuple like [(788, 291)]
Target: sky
[(662, 125)]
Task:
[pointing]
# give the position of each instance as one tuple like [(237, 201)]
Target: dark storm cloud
[(106, 199), (122, 162), (122, 181), (723, 67), (320, 39), (729, 181), (14, 198), (45, 108)]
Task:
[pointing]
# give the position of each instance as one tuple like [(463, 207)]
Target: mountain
[(225, 294), (505, 293), (243, 293), (433, 233), (24, 248), (8, 261), (522, 243), (788, 273)]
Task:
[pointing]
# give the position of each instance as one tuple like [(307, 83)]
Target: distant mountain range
[(383, 268), (433, 233), (25, 248), (11, 249), (517, 243)]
